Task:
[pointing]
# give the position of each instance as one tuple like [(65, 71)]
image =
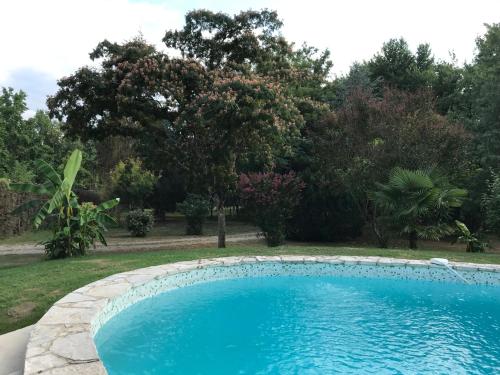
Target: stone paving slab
[(62, 341), (13, 350)]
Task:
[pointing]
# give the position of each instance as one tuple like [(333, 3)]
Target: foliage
[(217, 39), (140, 222), (491, 205), (237, 119), (480, 109), (127, 72), (271, 199), (196, 208), (473, 243), (418, 203), (398, 67), (132, 183), (324, 216), (349, 151), (76, 227), (22, 141), (236, 96)]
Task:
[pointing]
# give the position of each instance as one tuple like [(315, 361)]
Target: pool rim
[(62, 341)]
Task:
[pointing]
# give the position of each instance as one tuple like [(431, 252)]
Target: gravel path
[(134, 244)]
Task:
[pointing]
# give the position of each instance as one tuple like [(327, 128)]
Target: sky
[(44, 40)]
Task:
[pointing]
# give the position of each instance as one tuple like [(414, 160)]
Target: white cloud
[(355, 29), (54, 37)]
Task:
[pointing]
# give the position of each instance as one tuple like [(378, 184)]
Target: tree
[(481, 94), (132, 183), (196, 208), (217, 39), (491, 204), (418, 203), (237, 119), (352, 149), (398, 67)]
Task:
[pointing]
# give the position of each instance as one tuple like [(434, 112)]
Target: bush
[(196, 208), (472, 241), (132, 183), (139, 222), (270, 199)]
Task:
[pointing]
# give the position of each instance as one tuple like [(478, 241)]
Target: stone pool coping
[(62, 340)]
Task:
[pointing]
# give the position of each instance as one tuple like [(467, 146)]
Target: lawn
[(28, 290)]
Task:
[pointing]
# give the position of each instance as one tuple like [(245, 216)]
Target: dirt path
[(135, 244)]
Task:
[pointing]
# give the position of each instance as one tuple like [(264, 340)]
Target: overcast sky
[(44, 40)]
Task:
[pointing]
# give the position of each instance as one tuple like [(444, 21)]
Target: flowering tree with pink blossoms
[(271, 198)]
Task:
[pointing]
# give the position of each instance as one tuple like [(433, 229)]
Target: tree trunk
[(413, 239), (382, 238), (221, 221)]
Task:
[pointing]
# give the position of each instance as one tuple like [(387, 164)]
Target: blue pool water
[(308, 325)]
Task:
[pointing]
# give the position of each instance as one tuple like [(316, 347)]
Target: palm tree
[(417, 203)]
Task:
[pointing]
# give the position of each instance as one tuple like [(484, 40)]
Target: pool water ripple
[(308, 325)]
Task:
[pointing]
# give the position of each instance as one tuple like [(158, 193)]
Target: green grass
[(27, 291)]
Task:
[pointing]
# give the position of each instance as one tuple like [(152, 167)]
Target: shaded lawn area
[(27, 291)]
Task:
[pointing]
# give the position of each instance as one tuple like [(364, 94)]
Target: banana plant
[(77, 225), (55, 192)]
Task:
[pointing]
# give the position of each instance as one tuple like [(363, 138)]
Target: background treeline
[(241, 99)]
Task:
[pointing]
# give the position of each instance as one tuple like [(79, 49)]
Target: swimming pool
[(308, 325), (276, 315)]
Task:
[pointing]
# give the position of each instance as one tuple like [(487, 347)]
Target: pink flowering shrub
[(270, 198)]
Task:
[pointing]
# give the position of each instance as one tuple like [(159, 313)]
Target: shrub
[(196, 208), (270, 199), (132, 183), (139, 222), (473, 243)]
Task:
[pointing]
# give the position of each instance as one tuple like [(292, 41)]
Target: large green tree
[(236, 119), (397, 66), (481, 111), (218, 39)]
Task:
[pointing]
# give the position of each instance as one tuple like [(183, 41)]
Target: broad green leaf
[(108, 204), (47, 171), (57, 201), (41, 215), (71, 169)]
